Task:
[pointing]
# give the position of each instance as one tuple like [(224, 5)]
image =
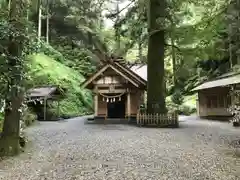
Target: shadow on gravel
[(108, 121), (112, 123)]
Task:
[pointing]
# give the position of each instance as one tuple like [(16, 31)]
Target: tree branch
[(171, 45), (117, 13)]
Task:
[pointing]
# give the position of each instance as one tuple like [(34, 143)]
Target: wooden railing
[(159, 120)]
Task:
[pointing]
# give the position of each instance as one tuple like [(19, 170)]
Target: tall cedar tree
[(156, 41), (9, 142)]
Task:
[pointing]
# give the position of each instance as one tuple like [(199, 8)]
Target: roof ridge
[(232, 80), (44, 86)]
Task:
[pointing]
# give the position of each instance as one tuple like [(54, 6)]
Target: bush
[(172, 107), (187, 107), (186, 110), (28, 117), (177, 98)]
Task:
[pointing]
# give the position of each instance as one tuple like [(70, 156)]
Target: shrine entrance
[(117, 109), (117, 91)]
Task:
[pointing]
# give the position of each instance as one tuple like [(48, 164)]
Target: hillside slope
[(46, 71)]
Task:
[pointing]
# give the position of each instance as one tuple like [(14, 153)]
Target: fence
[(159, 120)]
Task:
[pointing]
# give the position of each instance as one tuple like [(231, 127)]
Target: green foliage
[(76, 29), (187, 107), (51, 52), (1, 121), (198, 34), (177, 97), (186, 110), (77, 59), (46, 71), (28, 117)]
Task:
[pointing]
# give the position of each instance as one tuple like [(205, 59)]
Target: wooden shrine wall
[(102, 106), (136, 100), (214, 102)]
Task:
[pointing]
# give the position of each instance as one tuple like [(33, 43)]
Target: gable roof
[(43, 92), (140, 70), (120, 69), (131, 73), (224, 80)]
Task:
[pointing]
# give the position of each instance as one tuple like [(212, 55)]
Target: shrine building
[(118, 89)]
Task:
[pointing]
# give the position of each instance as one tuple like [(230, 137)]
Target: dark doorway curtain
[(116, 109)]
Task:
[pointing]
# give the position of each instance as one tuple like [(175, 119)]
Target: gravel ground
[(73, 150)]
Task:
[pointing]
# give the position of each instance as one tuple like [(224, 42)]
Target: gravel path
[(73, 150)]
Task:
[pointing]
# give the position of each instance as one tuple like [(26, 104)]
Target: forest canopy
[(69, 32)]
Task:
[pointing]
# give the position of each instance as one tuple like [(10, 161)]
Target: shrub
[(172, 107), (28, 117), (177, 97), (186, 110), (187, 107)]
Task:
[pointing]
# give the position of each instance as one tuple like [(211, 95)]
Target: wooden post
[(96, 104), (96, 101), (128, 104), (58, 109), (45, 108)]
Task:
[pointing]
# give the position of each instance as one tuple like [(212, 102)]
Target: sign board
[(111, 88)]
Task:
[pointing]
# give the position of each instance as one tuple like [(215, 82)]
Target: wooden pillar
[(45, 108), (128, 104), (95, 101), (58, 109), (198, 106), (96, 104)]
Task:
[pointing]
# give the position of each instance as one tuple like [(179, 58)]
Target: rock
[(237, 152)]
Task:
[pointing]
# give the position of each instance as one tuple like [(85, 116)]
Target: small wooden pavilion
[(38, 99), (118, 90), (214, 96)]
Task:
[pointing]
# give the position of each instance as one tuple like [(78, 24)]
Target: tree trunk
[(173, 60), (9, 144), (117, 33), (39, 19), (47, 23), (234, 33), (9, 4), (231, 59), (156, 83), (140, 49), (238, 32)]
